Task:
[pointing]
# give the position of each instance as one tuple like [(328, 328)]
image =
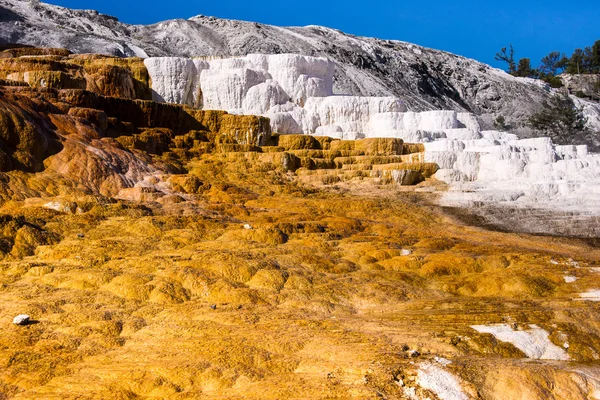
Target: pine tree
[(594, 58), (508, 58), (559, 118), (576, 62), (524, 69), (553, 62)]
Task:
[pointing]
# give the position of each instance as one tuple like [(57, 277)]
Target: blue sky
[(475, 29)]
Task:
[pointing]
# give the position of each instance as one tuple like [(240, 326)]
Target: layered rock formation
[(165, 251), (481, 167), (82, 123), (26, 137), (91, 134), (57, 68), (485, 168), (296, 93), (425, 79)]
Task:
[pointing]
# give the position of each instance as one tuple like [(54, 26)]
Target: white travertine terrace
[(253, 84), (296, 93), (534, 342), (172, 78), (499, 168)]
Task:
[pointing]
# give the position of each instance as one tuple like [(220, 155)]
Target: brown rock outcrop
[(376, 146), (19, 50), (26, 136), (298, 142), (219, 125), (93, 109), (55, 68), (118, 77), (20, 237), (96, 117), (105, 139)]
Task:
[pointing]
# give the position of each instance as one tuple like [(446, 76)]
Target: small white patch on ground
[(442, 361), (570, 279), (592, 295), (410, 392), (445, 385), (533, 342), (57, 206), (554, 262)]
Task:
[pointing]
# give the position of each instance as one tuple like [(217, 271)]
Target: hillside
[(163, 251), (327, 217), (425, 79)]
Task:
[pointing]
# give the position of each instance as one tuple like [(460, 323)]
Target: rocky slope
[(82, 123), (480, 166), (424, 79), (584, 85), (164, 251)]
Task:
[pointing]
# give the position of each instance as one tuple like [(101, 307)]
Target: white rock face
[(424, 126), (263, 97), (172, 79), (349, 117), (499, 168), (533, 342), (296, 93), (251, 85), (226, 90)]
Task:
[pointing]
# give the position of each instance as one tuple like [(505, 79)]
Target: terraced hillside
[(167, 252), (426, 79)]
